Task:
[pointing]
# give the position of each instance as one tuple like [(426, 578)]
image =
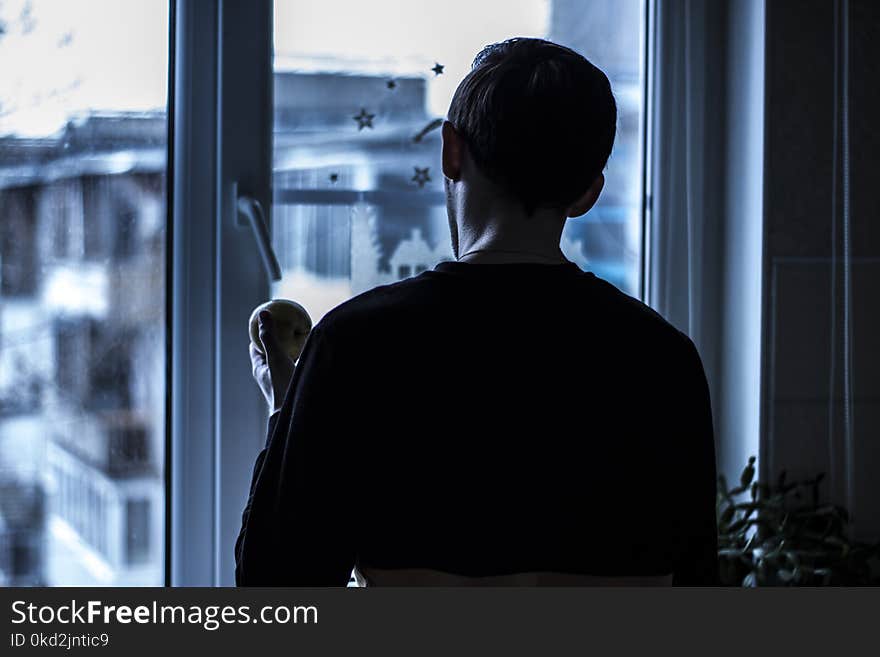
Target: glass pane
[(82, 291), (359, 89)]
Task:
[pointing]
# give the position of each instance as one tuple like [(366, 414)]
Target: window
[(137, 515), (357, 202), (82, 296), (359, 89)]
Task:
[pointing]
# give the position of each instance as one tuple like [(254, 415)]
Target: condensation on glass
[(360, 89), (82, 291)]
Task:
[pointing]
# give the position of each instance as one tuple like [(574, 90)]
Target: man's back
[(507, 418)]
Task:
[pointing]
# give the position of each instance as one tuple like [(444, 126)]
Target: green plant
[(783, 535)]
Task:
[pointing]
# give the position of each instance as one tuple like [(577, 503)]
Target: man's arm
[(294, 526), (697, 536), (245, 515)]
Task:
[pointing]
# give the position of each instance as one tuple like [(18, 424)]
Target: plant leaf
[(748, 473)]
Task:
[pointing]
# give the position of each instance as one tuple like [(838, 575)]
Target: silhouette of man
[(506, 418)]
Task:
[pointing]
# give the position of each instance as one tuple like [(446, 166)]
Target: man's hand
[(274, 369)]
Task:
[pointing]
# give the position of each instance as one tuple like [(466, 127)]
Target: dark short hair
[(538, 118)]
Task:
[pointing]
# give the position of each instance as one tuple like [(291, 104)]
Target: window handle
[(253, 212)]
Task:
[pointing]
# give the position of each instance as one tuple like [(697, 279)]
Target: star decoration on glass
[(421, 176), (364, 119), (391, 84), (438, 68), (334, 178)]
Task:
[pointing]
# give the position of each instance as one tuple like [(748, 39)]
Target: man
[(502, 419)]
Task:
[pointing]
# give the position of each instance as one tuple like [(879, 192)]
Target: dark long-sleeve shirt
[(484, 420)]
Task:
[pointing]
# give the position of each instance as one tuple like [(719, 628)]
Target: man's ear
[(588, 200), (453, 151)]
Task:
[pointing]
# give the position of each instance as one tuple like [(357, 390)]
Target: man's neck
[(511, 239), (504, 257), (499, 252)]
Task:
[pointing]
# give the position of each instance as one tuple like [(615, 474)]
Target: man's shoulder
[(661, 353), (383, 305), (373, 306), (638, 320)]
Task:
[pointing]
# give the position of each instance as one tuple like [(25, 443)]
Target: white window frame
[(222, 72)]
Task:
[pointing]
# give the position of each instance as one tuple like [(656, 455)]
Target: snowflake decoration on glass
[(364, 119), (421, 176), (438, 69), (391, 84)]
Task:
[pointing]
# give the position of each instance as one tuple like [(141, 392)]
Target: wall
[(821, 362)]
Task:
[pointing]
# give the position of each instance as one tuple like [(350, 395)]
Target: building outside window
[(82, 292)]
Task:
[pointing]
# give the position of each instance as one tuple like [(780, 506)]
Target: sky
[(62, 57), (402, 36)]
